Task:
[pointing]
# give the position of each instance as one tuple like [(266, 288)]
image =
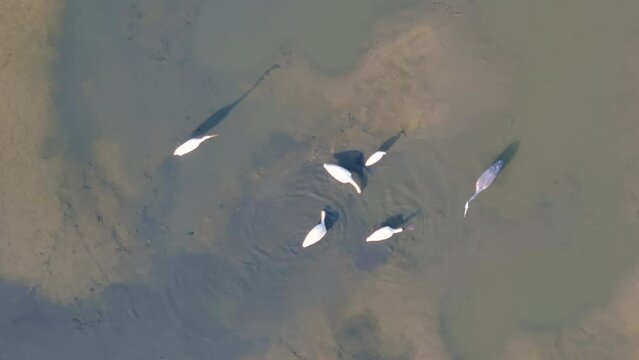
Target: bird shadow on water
[(353, 161), (221, 114), (508, 154), (400, 220), (388, 143), (332, 217)]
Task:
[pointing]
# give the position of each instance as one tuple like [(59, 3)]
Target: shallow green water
[(222, 227), (570, 109)]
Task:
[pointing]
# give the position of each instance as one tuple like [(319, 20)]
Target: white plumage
[(317, 233), (191, 144), (342, 175), (383, 233), (377, 156)]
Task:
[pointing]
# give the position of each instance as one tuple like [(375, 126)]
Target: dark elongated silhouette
[(202, 132), (224, 111)]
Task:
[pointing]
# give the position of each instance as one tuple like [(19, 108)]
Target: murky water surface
[(199, 257)]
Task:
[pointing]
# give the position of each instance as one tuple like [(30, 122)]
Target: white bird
[(191, 144), (485, 179), (385, 232), (381, 151), (377, 156), (317, 233), (342, 175)]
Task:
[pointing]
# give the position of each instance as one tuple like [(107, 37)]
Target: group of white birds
[(344, 176)]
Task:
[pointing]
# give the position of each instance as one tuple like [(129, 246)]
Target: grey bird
[(484, 181)]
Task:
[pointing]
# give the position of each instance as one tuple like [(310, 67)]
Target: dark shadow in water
[(400, 220), (178, 317), (224, 111), (359, 338), (508, 154), (391, 141), (353, 161), (332, 216)]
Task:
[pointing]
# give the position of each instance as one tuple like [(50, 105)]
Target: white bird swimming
[(342, 175), (385, 233), (191, 144), (377, 156), (383, 149), (317, 233), (484, 181)]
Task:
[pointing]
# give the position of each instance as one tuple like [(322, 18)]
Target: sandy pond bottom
[(112, 249)]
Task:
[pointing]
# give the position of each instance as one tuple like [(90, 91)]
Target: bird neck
[(359, 190)]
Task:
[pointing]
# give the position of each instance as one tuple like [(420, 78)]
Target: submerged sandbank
[(30, 213)]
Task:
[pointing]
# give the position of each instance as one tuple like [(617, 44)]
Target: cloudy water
[(151, 256)]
